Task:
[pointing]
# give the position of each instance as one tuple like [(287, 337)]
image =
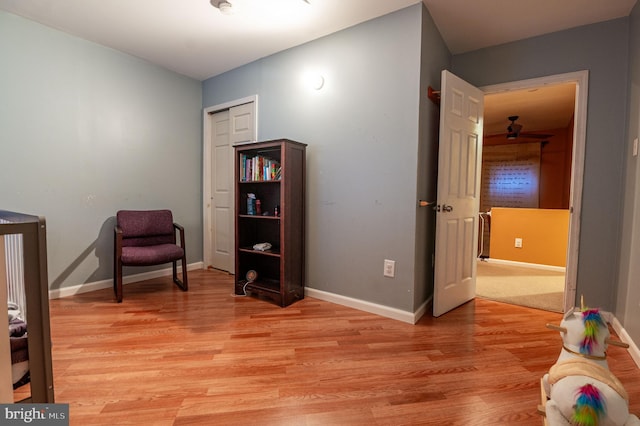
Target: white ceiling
[(193, 38)]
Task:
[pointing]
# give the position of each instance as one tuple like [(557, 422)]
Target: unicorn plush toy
[(579, 387)]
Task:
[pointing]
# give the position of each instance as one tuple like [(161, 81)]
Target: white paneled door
[(228, 127), (459, 163), (222, 200)]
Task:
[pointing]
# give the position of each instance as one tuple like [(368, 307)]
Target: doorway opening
[(533, 154)]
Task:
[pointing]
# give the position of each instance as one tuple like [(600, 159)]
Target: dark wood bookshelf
[(274, 171)]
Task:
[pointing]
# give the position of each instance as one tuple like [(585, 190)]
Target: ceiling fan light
[(512, 136)]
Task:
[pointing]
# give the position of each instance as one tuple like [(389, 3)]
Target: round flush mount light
[(313, 80), (317, 82)]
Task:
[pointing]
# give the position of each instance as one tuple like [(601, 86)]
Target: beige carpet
[(535, 288)]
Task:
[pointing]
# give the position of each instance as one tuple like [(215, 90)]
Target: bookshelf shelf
[(256, 217), (275, 253)]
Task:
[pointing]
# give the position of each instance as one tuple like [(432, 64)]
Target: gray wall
[(627, 310), (362, 129), (602, 49), (85, 131)]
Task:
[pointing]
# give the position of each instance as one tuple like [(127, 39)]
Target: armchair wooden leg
[(117, 281), (185, 281), (184, 285)]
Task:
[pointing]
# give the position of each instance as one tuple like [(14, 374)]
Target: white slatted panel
[(14, 255)]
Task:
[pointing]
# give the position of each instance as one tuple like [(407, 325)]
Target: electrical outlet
[(389, 268), (518, 243)]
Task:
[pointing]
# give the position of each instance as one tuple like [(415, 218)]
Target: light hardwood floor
[(164, 357)]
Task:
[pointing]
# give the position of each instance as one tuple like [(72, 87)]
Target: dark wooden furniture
[(274, 171), (144, 238), (33, 230)]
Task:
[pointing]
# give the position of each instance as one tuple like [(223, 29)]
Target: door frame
[(581, 79), (207, 167)]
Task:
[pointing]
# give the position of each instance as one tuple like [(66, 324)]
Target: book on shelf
[(258, 168)]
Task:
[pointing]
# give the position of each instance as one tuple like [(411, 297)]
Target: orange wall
[(544, 234)]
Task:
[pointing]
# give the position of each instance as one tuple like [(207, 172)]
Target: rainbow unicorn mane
[(592, 322), (589, 406)]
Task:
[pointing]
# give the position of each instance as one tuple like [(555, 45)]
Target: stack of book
[(258, 168)]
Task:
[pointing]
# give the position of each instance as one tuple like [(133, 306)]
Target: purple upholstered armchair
[(144, 238)]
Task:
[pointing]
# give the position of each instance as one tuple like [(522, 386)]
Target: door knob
[(446, 208)]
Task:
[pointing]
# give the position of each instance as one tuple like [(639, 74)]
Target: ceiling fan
[(514, 131)]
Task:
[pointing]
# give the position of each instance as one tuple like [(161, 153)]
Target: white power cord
[(244, 291)]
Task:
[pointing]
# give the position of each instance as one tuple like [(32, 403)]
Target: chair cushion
[(151, 255), (145, 223), (146, 227)]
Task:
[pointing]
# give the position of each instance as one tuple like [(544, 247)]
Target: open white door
[(459, 163)]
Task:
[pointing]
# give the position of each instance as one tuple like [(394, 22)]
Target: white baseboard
[(99, 285), (525, 265), (624, 336), (381, 310), (374, 308)]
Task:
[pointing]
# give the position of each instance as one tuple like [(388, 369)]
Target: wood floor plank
[(165, 357)]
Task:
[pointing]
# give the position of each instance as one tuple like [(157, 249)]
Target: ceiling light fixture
[(225, 7), (317, 82), (313, 80)]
